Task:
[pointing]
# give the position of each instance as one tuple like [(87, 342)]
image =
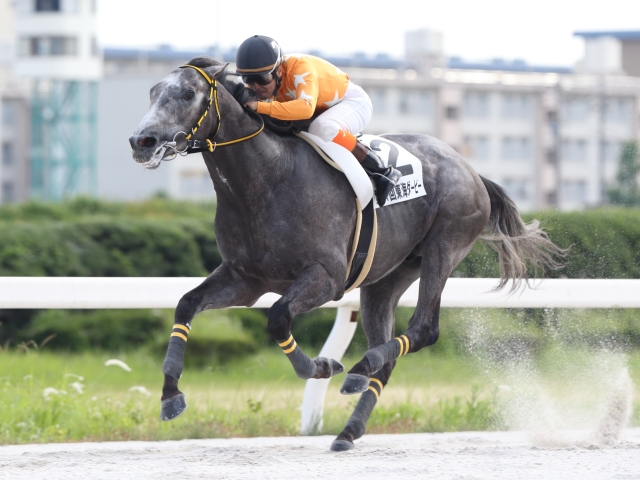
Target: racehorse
[(285, 223)]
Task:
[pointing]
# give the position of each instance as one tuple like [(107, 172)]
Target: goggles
[(263, 79)]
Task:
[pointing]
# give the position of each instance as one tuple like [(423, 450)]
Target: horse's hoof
[(354, 383), (336, 367), (172, 407), (341, 446), (327, 367)]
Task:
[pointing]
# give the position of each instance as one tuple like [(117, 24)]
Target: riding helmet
[(258, 55)]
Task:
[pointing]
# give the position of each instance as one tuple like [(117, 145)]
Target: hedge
[(604, 243), (167, 238)]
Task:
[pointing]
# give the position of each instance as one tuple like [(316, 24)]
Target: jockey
[(297, 87)]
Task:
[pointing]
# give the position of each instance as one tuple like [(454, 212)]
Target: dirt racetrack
[(466, 455)]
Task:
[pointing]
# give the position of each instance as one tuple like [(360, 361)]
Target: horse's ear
[(216, 71)]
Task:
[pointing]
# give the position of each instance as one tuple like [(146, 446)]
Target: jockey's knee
[(326, 130), (279, 321)]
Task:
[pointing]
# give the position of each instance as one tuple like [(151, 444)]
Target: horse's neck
[(248, 171)]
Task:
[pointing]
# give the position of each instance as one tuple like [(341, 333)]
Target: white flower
[(73, 375), (140, 389), (77, 386), (118, 363), (47, 392)]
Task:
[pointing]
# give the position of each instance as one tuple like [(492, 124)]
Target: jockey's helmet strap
[(195, 146)]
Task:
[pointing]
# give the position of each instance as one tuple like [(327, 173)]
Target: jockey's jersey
[(309, 84)]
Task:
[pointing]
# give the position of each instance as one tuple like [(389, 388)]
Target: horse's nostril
[(147, 142)]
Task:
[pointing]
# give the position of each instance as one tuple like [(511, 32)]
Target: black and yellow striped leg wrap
[(304, 367), (380, 355), (174, 359), (289, 345), (181, 331), (376, 387), (404, 345)]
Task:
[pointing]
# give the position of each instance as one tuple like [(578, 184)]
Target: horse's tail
[(518, 244)]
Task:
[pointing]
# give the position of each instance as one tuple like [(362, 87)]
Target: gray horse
[(285, 223)]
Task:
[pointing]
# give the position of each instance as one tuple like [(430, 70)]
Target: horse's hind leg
[(447, 243), (378, 306), (313, 288), (223, 288)]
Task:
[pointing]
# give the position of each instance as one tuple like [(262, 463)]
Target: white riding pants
[(352, 115)]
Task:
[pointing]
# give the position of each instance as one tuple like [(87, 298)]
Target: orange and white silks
[(309, 85)]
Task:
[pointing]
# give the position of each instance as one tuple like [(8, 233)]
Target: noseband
[(209, 144)]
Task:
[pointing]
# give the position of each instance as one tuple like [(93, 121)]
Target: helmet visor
[(264, 79)]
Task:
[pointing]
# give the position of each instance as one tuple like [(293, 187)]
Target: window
[(575, 109), (8, 154), (478, 147), (476, 105), (416, 102), (517, 106), (379, 100), (8, 193), (47, 46), (516, 148), (95, 49), (9, 112), (574, 150), (451, 112), (196, 184), (47, 5), (618, 110), (611, 151), (517, 188), (574, 191)]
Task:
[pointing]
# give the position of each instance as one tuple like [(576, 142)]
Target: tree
[(627, 192)]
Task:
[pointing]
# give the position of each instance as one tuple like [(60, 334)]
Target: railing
[(147, 292)]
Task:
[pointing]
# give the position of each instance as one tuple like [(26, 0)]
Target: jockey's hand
[(253, 105)]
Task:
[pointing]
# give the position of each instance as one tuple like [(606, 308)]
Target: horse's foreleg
[(312, 288), (378, 306), (223, 288)]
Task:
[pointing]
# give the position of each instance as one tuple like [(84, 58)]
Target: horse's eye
[(189, 94)]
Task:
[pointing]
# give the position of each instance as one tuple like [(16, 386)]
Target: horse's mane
[(244, 94), (231, 82)]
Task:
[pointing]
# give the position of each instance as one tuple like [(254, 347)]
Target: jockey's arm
[(304, 96)]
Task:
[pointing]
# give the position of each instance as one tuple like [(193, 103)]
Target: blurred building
[(550, 135), (58, 57), (14, 116)]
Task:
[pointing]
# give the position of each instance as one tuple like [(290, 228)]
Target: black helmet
[(258, 55)]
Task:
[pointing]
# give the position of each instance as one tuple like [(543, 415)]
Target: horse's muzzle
[(145, 142)]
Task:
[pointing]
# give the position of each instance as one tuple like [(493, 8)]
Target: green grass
[(257, 396), (463, 383)]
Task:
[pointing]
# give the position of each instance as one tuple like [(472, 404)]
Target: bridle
[(208, 144)]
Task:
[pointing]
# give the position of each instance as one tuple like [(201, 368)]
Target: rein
[(209, 144)]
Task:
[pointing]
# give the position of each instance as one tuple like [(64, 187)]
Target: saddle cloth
[(410, 185)]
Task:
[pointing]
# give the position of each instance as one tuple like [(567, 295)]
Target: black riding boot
[(386, 177)]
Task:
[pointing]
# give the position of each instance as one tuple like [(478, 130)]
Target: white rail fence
[(147, 292)]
